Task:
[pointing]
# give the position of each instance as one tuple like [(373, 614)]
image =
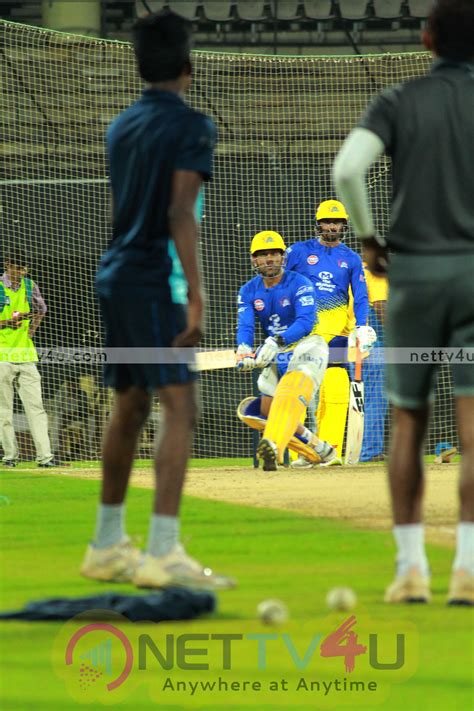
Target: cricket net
[(280, 120)]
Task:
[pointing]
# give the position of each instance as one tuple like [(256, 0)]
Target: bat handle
[(358, 362)]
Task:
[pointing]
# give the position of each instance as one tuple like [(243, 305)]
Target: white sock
[(110, 527), (163, 535), (306, 435), (321, 447), (465, 547), (410, 540)]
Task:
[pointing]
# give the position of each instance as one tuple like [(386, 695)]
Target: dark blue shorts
[(141, 317)]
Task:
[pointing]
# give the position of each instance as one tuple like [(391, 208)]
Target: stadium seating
[(420, 8), (218, 11), (388, 9), (318, 9), (252, 10), (287, 9), (185, 8), (118, 14), (353, 9)]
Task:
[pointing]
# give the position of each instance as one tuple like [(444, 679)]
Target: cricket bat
[(355, 421)]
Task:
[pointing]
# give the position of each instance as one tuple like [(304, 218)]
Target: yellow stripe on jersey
[(377, 289)]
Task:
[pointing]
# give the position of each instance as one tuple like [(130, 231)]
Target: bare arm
[(11, 322), (360, 149), (35, 321), (184, 231), (15, 321)]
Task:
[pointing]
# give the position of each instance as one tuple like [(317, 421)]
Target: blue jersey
[(146, 144), (332, 270), (286, 309)]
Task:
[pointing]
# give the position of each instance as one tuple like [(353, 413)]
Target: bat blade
[(355, 423)]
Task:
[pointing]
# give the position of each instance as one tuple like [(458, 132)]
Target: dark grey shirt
[(427, 127)]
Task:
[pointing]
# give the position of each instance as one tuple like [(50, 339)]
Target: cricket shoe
[(268, 452), (302, 463), (411, 587), (461, 588), (9, 463), (176, 568), (50, 464), (113, 564), (328, 458)]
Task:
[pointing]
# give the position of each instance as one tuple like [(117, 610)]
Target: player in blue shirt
[(333, 269), (159, 151), (292, 357)]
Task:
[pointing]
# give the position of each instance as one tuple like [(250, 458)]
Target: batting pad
[(290, 401), (248, 412)]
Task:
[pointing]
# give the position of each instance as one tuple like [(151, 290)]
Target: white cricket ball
[(272, 612), (341, 599)]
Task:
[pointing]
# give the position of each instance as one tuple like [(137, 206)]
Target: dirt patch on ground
[(355, 494)]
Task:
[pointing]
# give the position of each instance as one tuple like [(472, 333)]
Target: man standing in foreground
[(159, 151), (427, 127)]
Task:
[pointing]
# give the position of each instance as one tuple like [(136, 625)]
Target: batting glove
[(245, 357), (366, 337), (266, 353)]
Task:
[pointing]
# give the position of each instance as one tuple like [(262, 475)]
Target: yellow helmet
[(331, 209), (268, 239)]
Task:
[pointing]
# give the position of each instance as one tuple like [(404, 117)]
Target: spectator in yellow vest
[(22, 309)]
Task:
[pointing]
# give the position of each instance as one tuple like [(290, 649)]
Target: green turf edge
[(272, 553)]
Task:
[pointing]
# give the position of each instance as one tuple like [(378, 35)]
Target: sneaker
[(49, 464), (329, 456), (267, 451), (114, 564), (302, 463), (9, 463), (410, 587), (461, 588), (176, 568)]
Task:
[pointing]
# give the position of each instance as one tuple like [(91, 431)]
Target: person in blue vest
[(22, 308), (160, 151)]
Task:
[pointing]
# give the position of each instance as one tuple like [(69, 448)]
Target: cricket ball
[(341, 599), (272, 612)]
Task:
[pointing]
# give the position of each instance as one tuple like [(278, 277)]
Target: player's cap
[(331, 210), (268, 239)]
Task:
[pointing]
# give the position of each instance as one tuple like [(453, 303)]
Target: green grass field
[(46, 521)]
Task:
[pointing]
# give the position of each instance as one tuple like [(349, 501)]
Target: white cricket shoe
[(328, 458), (177, 568), (411, 587), (461, 588), (302, 463), (114, 564)]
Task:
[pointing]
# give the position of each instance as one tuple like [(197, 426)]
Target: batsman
[(292, 358)]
